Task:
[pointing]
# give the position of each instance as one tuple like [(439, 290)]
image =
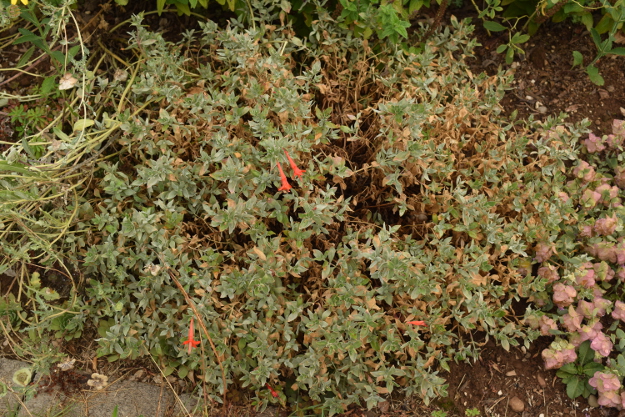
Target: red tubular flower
[(296, 171), (192, 343), (417, 322), (285, 183), (273, 392)]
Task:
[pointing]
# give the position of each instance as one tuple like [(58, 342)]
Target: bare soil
[(545, 84)]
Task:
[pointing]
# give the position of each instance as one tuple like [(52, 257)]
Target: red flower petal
[(192, 343), (417, 322), (285, 183), (296, 171), (273, 393)]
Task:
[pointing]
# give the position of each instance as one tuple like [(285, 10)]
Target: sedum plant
[(583, 272)]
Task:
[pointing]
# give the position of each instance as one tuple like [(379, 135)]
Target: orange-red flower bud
[(285, 183), (296, 171)]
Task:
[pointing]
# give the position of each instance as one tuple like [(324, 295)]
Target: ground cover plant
[(586, 277), (311, 219)]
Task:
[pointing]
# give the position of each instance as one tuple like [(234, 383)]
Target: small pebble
[(542, 109), (517, 404), (541, 381), (592, 401), (137, 375)]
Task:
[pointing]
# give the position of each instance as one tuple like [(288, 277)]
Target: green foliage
[(385, 20), (535, 12), (575, 375), (472, 412), (44, 23), (420, 202), (364, 18), (291, 285)]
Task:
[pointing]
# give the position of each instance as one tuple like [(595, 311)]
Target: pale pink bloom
[(589, 332), (590, 198), (584, 171), (585, 308), (604, 251), (601, 304), (613, 141), (546, 325), (604, 382), (607, 192), (620, 273), (603, 271), (593, 143), (549, 272), (586, 231), (605, 226), (563, 295), (543, 252), (601, 344), (609, 399), (572, 320), (564, 197), (619, 310), (585, 277)]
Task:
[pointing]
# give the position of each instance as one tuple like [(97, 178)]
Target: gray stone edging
[(133, 399)]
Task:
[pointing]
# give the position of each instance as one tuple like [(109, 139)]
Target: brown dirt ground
[(544, 85), (544, 78)]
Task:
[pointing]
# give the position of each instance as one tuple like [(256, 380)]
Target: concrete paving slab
[(190, 402), (49, 404), (10, 403), (133, 399)]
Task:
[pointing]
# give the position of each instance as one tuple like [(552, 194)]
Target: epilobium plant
[(407, 233)]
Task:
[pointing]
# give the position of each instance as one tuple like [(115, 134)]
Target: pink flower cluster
[(619, 311), (608, 251), (608, 387), (589, 273), (595, 144), (543, 252), (603, 194), (563, 295), (572, 321), (558, 354), (549, 272), (599, 342), (585, 275), (605, 226), (547, 325), (584, 171)]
